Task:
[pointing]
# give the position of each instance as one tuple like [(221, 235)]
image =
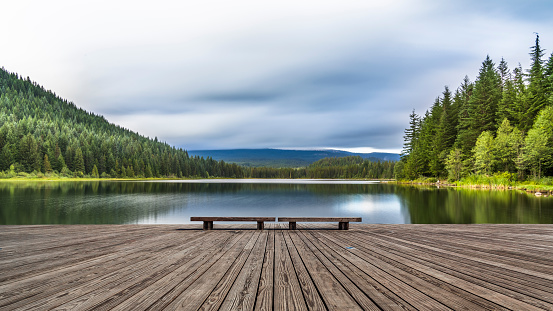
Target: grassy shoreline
[(525, 186)]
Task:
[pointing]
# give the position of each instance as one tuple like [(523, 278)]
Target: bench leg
[(343, 225), (260, 225), (208, 225), (292, 225)]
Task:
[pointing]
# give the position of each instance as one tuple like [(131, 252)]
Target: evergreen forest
[(499, 125), (43, 135), (352, 167)]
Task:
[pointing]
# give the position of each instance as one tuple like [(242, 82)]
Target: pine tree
[(483, 155), (57, 165), (130, 171), (537, 86), (69, 157), (520, 105), (538, 149), (482, 106), (102, 164), (148, 172), (507, 106), (416, 164), (516, 143), (61, 162), (448, 122), (6, 158), (503, 149), (410, 133), (433, 146), (95, 173), (504, 74), (485, 99), (28, 153), (47, 166), (78, 161), (462, 97), (454, 164)]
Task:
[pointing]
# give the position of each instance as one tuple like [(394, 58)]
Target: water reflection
[(174, 202)]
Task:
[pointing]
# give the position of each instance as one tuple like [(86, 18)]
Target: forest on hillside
[(499, 125), (43, 135)]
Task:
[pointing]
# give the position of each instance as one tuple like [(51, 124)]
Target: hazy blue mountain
[(284, 158)]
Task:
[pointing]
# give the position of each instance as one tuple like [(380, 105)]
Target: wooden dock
[(369, 267)]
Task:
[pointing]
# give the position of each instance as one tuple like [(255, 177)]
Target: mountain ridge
[(284, 157)]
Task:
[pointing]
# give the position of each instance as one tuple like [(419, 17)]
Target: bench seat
[(208, 221), (343, 222)]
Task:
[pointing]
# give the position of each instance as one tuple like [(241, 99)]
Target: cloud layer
[(251, 74)]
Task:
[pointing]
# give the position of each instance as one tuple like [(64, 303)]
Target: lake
[(174, 202)]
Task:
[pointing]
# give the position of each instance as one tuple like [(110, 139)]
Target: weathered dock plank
[(288, 293), (369, 267), (264, 298)]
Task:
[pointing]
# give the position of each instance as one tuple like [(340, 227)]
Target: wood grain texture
[(320, 219), (232, 218), (288, 294), (368, 267)]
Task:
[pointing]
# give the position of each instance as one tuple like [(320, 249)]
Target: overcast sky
[(257, 74)]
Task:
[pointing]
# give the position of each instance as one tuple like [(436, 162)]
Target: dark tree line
[(343, 167), (502, 122)]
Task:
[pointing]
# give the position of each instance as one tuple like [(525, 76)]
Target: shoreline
[(537, 190)]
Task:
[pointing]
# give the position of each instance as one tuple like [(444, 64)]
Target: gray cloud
[(245, 96), (248, 74)]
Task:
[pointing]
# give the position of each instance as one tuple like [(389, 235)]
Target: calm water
[(173, 202)]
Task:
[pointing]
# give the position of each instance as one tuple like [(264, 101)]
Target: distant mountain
[(284, 158)]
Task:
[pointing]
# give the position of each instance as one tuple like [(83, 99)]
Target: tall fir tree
[(46, 164), (481, 112), (410, 134), (507, 105), (504, 149), (416, 163), (482, 152), (454, 164), (78, 161), (520, 105), (28, 154), (484, 101), (448, 121), (61, 162), (429, 138), (504, 72), (6, 157), (461, 99), (537, 86), (445, 134)]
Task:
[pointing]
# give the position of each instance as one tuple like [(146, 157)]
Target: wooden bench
[(208, 221), (343, 222)]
